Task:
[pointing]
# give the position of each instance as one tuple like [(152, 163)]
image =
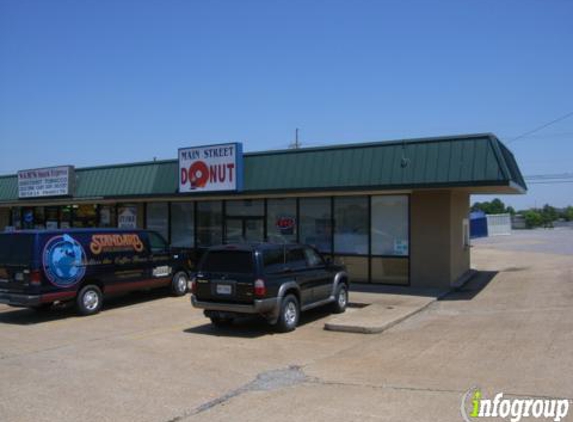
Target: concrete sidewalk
[(373, 309)]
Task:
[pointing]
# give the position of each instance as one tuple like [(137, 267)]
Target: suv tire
[(289, 314), (179, 283), (89, 300), (340, 299)]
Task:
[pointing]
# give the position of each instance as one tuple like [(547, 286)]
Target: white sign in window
[(127, 217)]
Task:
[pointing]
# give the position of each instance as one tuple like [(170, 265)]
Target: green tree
[(568, 214), (494, 207), (533, 218), (549, 215), (497, 206)]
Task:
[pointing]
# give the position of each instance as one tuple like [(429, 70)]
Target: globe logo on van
[(64, 261)]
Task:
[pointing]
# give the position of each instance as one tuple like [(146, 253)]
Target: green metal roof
[(472, 161)]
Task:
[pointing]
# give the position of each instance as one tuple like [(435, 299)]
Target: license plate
[(224, 289)]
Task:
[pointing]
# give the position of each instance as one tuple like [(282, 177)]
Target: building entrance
[(244, 229)]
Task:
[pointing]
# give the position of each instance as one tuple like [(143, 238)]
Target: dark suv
[(274, 281)]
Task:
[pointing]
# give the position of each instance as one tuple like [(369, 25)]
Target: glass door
[(233, 230), (253, 229), (244, 229)]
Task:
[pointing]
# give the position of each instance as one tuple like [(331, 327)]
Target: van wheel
[(340, 299), (289, 314), (89, 300), (179, 283)]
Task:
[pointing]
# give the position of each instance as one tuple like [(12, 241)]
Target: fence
[(498, 224)]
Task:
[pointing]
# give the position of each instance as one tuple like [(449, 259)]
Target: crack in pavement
[(274, 379)]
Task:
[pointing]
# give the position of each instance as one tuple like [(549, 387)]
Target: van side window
[(312, 258), (156, 242), (296, 259)]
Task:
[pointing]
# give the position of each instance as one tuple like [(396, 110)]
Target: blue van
[(39, 268)]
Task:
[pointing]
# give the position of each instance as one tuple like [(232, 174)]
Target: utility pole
[(296, 144)]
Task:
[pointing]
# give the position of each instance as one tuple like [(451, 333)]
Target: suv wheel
[(179, 283), (89, 300), (289, 314), (340, 299)]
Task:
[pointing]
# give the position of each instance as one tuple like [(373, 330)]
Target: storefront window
[(127, 216), (85, 216), (209, 223), (351, 225), (281, 220), (17, 218), (52, 217), (158, 218), (316, 223), (182, 224), (66, 217), (33, 218), (28, 218), (390, 225), (245, 208), (107, 216)]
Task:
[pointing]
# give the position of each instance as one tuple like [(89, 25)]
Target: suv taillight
[(193, 286), (260, 288), (35, 277)]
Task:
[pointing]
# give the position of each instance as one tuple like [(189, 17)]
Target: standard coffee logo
[(115, 242)]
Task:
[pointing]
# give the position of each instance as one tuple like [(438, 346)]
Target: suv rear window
[(16, 249), (228, 262)]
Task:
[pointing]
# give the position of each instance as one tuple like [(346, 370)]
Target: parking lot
[(150, 357)]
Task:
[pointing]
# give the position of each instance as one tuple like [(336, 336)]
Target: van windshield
[(228, 262), (16, 249)]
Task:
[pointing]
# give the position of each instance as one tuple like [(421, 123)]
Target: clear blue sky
[(102, 82)]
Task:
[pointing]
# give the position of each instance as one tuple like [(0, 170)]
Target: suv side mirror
[(328, 261)]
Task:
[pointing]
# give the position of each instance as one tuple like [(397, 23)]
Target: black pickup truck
[(271, 280)]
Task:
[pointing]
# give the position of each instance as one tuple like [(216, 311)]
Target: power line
[(549, 176), (552, 135), (549, 182), (537, 129)]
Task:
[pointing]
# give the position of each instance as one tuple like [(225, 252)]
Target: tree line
[(534, 217)]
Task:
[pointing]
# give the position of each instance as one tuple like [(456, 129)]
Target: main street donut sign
[(211, 168)]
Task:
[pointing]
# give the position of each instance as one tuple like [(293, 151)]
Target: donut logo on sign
[(198, 174), (64, 261)]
